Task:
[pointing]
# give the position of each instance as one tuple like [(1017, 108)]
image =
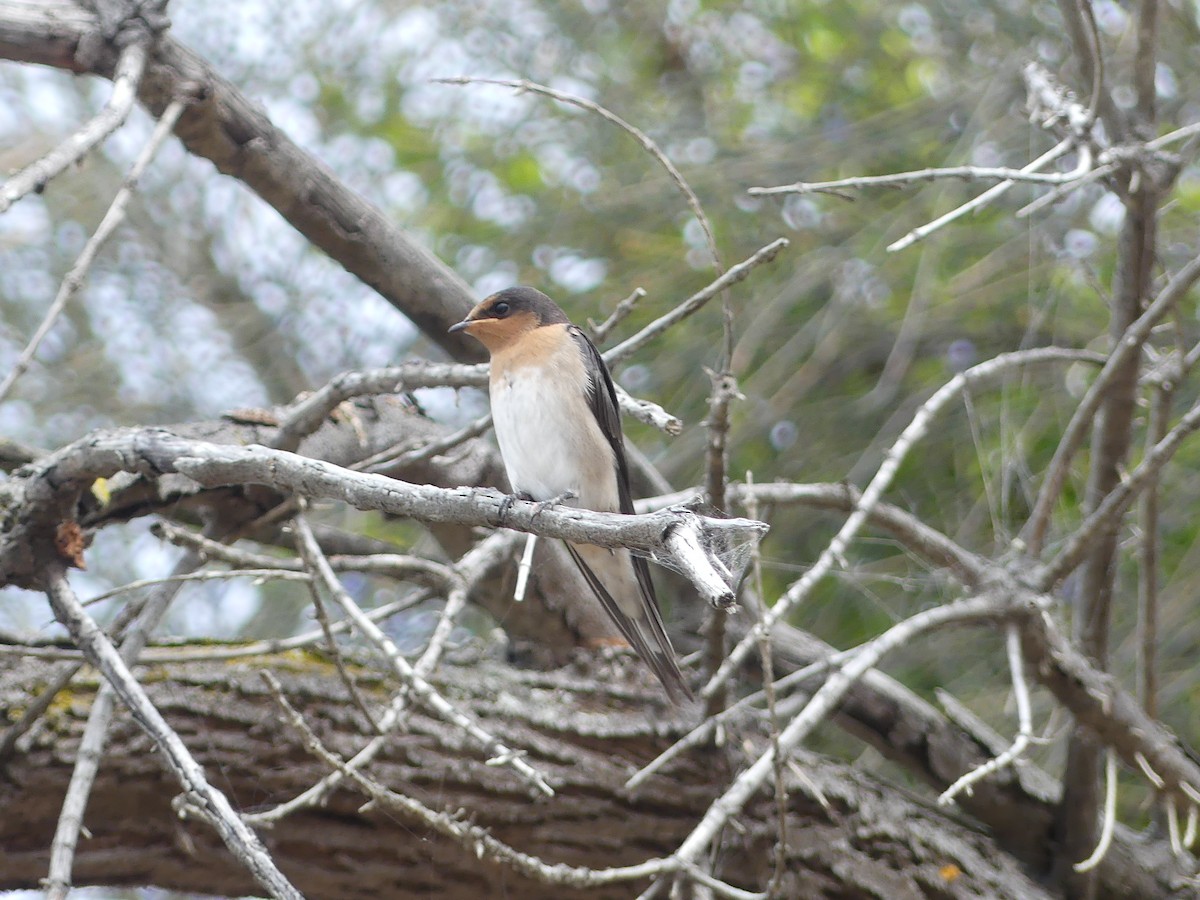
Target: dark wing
[(602, 399)]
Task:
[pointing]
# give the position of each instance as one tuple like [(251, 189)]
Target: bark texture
[(864, 839)]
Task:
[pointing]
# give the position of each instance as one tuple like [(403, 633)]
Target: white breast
[(548, 435)]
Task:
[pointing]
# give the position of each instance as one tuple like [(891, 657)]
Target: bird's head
[(508, 314)]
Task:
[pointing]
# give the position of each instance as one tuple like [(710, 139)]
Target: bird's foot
[(544, 505), (506, 504)]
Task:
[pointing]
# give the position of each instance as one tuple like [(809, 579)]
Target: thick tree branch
[(47, 496)]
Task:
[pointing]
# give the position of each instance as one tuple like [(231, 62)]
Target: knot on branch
[(120, 26), (123, 22)]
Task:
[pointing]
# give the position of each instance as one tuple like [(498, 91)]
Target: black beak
[(461, 326)]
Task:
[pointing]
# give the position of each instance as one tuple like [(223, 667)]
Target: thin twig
[(928, 543), (1094, 55), (732, 276), (981, 200), (474, 566), (981, 608), (112, 218), (206, 652), (624, 308), (404, 454), (1108, 826), (647, 412), (472, 838), (1024, 738), (275, 573), (1051, 197), (339, 663), (307, 413), (126, 77), (640, 136), (703, 732), (524, 567), (961, 173), (1173, 827), (35, 710), (392, 565), (1116, 503)]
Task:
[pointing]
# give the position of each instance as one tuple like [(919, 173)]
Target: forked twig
[(240, 840), (425, 692)]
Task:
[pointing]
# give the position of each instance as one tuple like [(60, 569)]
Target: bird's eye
[(500, 310)]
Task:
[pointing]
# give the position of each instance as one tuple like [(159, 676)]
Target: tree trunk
[(847, 836)]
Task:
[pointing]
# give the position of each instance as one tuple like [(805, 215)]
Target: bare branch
[(1109, 712), (1145, 67), (425, 692), (37, 175), (1081, 25), (335, 652), (1126, 348), (473, 567), (240, 840), (640, 136), (306, 415), (623, 309), (406, 455), (705, 730), (983, 608), (929, 543), (983, 199), (472, 838), (1110, 816), (1016, 665), (961, 173), (917, 429), (112, 218), (1116, 502), (91, 746), (1148, 558), (51, 488)]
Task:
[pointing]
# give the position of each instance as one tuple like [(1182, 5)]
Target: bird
[(555, 414)]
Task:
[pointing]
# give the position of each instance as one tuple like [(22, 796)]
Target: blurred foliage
[(208, 301)]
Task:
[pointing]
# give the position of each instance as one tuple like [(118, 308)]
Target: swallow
[(555, 414)]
